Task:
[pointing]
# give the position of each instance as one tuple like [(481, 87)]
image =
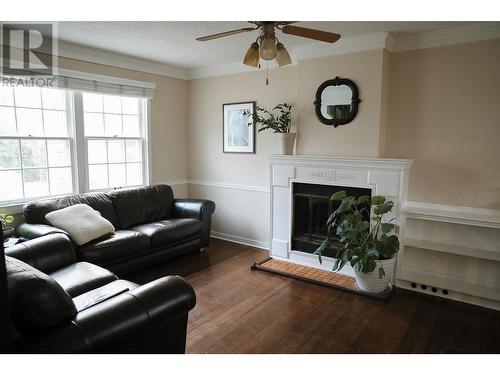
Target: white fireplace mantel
[(387, 177)]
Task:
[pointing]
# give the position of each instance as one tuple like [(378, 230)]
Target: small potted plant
[(5, 220), (279, 120), (369, 246)]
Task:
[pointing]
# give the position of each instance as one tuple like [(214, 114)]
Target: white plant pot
[(286, 142), (370, 282)]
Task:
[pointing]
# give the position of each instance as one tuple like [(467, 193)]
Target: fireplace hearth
[(311, 208)]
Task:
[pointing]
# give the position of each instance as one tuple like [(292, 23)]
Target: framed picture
[(238, 128)]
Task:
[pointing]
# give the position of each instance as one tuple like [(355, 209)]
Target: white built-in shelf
[(481, 217), (453, 249)]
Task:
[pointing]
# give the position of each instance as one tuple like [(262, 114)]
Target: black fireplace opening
[(311, 209)]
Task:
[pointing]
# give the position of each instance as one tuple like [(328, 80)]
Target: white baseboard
[(241, 240)]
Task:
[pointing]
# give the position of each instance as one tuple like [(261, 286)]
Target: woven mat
[(316, 276)]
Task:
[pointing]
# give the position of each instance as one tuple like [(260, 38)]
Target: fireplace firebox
[(311, 208)]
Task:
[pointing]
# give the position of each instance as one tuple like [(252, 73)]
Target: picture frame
[(238, 129)]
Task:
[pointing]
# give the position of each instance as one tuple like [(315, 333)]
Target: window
[(113, 138), (55, 142), (35, 144)]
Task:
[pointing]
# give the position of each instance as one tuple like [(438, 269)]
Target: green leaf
[(9, 219), (376, 200), (386, 227), (383, 208), (363, 199), (339, 195)]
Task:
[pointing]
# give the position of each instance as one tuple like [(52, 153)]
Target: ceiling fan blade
[(225, 33), (304, 32), (284, 23)]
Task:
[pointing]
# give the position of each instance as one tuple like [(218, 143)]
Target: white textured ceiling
[(174, 43)]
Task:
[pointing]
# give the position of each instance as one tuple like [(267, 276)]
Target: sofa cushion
[(142, 205), (164, 232), (122, 244), (81, 277), (35, 212), (36, 300), (82, 223)]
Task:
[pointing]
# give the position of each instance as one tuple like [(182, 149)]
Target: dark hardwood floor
[(244, 311)]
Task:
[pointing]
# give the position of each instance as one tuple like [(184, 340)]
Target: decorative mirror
[(337, 101)]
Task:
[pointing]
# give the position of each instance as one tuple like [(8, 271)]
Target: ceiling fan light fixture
[(282, 56), (268, 48), (252, 55)]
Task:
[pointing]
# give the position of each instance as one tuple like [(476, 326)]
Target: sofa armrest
[(200, 209), (152, 317), (30, 231), (47, 253)]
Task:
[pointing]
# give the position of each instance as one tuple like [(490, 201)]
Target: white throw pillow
[(81, 222)]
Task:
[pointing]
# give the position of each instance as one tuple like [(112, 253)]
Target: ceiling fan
[(267, 46)]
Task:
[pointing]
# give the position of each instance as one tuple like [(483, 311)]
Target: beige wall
[(168, 140), (444, 112), (239, 212), (361, 136)]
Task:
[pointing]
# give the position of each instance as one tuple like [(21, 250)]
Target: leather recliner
[(59, 305), (151, 226)]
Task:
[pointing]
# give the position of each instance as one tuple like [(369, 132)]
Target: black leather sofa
[(59, 305), (151, 226)]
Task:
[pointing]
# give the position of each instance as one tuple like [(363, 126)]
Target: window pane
[(134, 152), (98, 176), (117, 177), (134, 174), (55, 123), (116, 151), (29, 121), (53, 99), (35, 183), (60, 181), (7, 121), (113, 125), (9, 155), (130, 105), (59, 154), (131, 126), (94, 124), (112, 104), (97, 151), (6, 96), (11, 187), (28, 97), (33, 153), (92, 102)]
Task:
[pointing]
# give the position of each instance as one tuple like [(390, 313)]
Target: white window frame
[(78, 148), (17, 203), (81, 144)]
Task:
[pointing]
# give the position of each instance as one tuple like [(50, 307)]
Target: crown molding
[(344, 45), (453, 35), (118, 60)]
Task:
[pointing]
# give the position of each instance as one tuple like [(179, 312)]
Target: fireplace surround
[(300, 183)]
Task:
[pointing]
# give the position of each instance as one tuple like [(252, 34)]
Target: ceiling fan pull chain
[(267, 73)]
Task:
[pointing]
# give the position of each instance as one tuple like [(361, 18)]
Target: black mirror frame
[(337, 81)]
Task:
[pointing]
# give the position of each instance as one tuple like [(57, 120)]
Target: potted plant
[(5, 220), (370, 246), (279, 120)]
